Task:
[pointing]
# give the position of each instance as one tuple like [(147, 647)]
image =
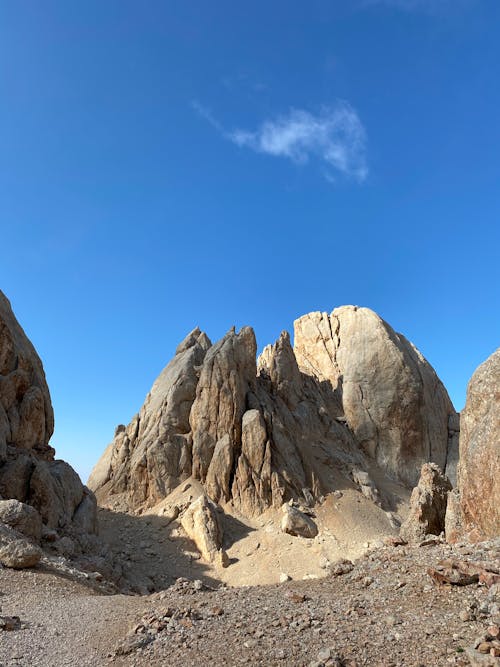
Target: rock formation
[(257, 433), (393, 401), (427, 505), (479, 466), (36, 488)]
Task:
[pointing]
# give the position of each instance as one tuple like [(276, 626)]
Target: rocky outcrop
[(257, 433), (26, 416), (393, 401), (38, 491), (427, 505), (226, 378), (479, 466), (150, 456)]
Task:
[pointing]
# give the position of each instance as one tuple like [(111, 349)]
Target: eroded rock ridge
[(352, 393)]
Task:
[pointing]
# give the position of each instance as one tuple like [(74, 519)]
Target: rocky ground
[(385, 610), (259, 552)]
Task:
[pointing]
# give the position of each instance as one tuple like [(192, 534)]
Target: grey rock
[(23, 518), (16, 551)]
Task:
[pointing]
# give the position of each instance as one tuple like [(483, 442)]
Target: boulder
[(202, 525), (297, 523), (479, 467), (427, 505), (392, 399), (23, 518), (16, 551)]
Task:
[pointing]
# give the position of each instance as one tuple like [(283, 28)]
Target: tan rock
[(202, 525), (297, 523), (393, 401), (258, 434), (28, 472), (150, 456), (453, 523), (26, 416), (479, 467), (227, 375), (427, 505)]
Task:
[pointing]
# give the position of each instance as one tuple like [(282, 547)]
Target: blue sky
[(171, 164)]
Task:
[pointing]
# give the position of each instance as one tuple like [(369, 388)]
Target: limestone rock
[(150, 456), (23, 518), (202, 525), (228, 372), (16, 551), (479, 468), (297, 523), (285, 427), (427, 505), (393, 400)]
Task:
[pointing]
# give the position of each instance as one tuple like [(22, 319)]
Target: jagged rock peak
[(393, 400), (259, 433), (149, 457)]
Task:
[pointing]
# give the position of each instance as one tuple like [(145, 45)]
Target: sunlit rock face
[(395, 405), (351, 393)]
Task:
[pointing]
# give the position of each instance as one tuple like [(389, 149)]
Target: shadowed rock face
[(427, 505), (28, 471), (258, 433), (479, 466), (26, 416), (393, 401)]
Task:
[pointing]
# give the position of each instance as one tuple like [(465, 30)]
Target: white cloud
[(335, 136)]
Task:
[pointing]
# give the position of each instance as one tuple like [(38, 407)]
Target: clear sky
[(179, 163)]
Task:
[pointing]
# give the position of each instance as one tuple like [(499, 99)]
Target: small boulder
[(297, 523), (16, 551), (23, 518), (202, 525), (427, 505)]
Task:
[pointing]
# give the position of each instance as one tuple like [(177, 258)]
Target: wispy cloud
[(335, 136)]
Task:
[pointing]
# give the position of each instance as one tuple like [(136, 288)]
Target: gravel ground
[(385, 612)]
